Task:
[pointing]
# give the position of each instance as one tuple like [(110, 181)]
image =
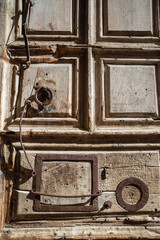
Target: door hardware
[(40, 207), (107, 204), (27, 4), (44, 96), (37, 172), (45, 93), (139, 184)]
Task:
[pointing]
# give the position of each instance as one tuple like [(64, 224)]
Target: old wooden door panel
[(135, 89), (126, 89), (101, 58), (66, 76), (54, 19), (133, 18), (64, 79), (61, 16), (61, 174), (67, 178)]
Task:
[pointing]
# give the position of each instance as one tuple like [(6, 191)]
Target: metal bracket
[(40, 207)]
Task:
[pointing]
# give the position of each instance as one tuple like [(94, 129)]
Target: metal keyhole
[(44, 96)]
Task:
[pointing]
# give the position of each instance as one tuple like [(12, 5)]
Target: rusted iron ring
[(138, 183), (44, 96)]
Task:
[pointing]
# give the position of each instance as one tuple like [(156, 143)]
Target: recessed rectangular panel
[(128, 17), (61, 79), (74, 174), (130, 90), (56, 16)]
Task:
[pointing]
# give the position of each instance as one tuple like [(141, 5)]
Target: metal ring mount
[(44, 96), (141, 186)]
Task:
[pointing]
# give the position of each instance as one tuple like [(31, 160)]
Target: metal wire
[(27, 102)]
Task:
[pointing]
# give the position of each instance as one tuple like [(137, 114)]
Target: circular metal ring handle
[(47, 101), (141, 186)]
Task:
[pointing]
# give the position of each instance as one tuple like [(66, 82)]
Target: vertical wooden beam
[(7, 35), (91, 90), (7, 16)]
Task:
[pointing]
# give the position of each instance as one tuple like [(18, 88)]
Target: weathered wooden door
[(91, 130)]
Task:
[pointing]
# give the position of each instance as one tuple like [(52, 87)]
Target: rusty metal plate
[(139, 184), (39, 206)]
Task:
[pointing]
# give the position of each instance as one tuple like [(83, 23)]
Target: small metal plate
[(139, 184), (38, 206)]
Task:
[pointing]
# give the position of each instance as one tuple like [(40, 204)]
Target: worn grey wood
[(66, 178), (64, 88), (52, 15), (130, 90), (128, 15), (126, 90), (84, 231), (105, 70), (77, 180)]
